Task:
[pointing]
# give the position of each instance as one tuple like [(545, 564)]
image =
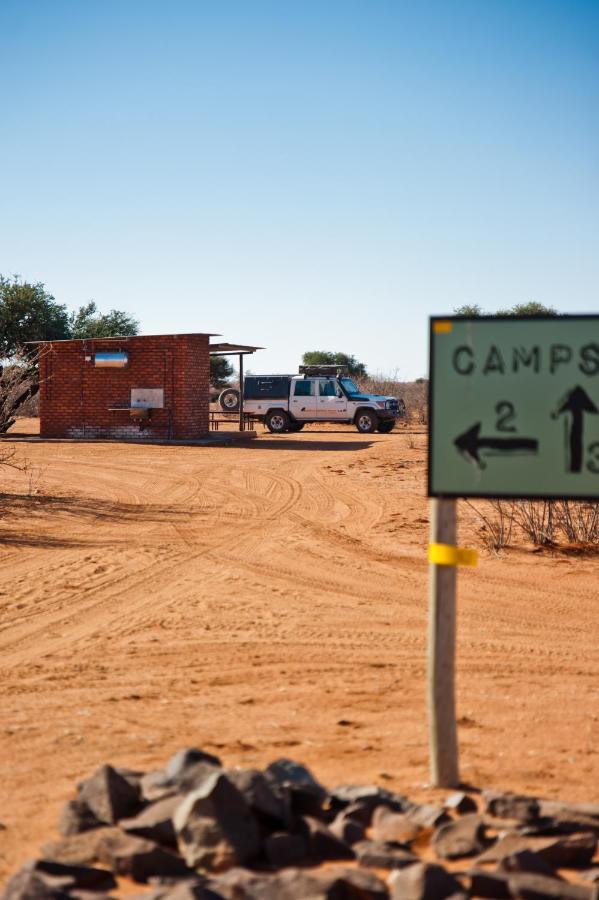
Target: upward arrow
[(577, 402)]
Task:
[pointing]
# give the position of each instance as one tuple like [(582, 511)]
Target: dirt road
[(270, 600)]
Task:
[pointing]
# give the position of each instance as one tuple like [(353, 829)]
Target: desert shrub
[(498, 523), (542, 522), (536, 518), (413, 393), (578, 522)]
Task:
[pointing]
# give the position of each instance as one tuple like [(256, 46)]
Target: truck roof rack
[(331, 371)]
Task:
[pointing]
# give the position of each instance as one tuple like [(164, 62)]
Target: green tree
[(531, 308), (328, 358), (89, 322), (221, 371), (468, 309), (28, 313)]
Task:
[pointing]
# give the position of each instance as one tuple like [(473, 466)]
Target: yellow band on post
[(448, 555)]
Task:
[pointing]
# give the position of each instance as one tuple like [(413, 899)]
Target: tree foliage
[(28, 313), (221, 371), (530, 308), (328, 358), (89, 322)]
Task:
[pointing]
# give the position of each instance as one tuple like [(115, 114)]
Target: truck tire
[(277, 421), (366, 421), (386, 427), (229, 400), (296, 426)]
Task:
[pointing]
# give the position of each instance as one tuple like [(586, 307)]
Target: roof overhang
[(224, 349)]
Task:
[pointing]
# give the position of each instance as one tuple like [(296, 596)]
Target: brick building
[(142, 387)]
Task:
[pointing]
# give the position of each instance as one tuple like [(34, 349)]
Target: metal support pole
[(241, 422), (441, 651)]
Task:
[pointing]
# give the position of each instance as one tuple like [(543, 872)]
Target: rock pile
[(197, 830)]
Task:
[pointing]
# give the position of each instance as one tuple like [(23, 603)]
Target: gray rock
[(72, 876), (109, 796), (27, 885), (511, 806), (184, 771), (529, 886), (298, 884), (488, 884), (391, 826), (260, 797), (572, 851), (157, 786), (155, 821), (526, 861), (570, 810), (461, 803), (190, 889), (283, 849), (462, 837), (307, 795), (79, 849), (365, 797), (562, 822), (76, 817), (427, 816), (140, 859), (422, 881), (347, 829), (322, 843), (215, 827), (383, 855), (183, 760), (510, 843)]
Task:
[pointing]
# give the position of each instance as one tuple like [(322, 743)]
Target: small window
[(328, 389), (110, 360), (304, 389)]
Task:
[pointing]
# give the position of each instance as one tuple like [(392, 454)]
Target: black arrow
[(577, 402), (470, 443)]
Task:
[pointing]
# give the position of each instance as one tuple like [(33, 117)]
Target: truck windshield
[(349, 386)]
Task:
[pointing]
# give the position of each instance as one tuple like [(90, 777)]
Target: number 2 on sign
[(506, 413)]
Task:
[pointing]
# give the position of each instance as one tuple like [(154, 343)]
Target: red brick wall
[(75, 396)]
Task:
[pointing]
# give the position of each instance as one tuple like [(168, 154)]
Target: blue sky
[(302, 175)]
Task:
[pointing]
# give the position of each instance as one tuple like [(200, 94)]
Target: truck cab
[(317, 394)]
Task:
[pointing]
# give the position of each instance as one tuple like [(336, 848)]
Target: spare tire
[(229, 400)]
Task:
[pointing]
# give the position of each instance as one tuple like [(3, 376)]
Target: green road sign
[(514, 407)]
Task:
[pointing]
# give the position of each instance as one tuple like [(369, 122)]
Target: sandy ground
[(269, 600)]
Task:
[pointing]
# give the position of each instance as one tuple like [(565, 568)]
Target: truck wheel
[(366, 422), (386, 427), (277, 421), (296, 426), (229, 400)]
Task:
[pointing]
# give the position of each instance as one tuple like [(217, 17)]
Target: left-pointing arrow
[(470, 443)]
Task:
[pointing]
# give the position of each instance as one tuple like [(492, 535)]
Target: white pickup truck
[(288, 402)]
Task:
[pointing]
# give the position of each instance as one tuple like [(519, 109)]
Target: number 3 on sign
[(593, 463)]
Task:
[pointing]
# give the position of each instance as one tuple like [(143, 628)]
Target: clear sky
[(302, 174)]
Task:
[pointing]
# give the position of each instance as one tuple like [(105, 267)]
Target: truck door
[(331, 401), (302, 399)]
